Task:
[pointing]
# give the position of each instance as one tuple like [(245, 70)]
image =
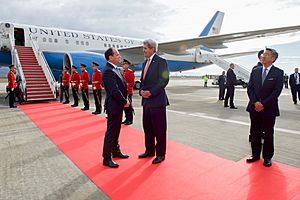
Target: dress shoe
[(158, 159), (295, 102), (124, 122), (252, 159), (127, 123), (96, 113), (267, 163), (85, 108), (66, 102), (74, 105), (13, 106), (110, 163), (233, 107), (226, 106), (145, 155), (120, 155)]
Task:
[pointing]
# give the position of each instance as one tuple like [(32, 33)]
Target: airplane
[(62, 47)]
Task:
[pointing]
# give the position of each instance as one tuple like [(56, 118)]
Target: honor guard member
[(12, 85), (85, 79), (66, 84), (75, 82), (97, 88), (128, 75)]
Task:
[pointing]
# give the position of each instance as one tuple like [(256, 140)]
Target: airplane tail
[(214, 25)]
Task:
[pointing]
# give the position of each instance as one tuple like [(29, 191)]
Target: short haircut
[(260, 53), (151, 44), (274, 53), (109, 52)]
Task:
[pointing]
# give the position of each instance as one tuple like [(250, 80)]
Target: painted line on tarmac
[(204, 116)]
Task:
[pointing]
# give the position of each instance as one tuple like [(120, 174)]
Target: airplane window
[(87, 43), (105, 45), (82, 42), (109, 45), (50, 40), (118, 46), (121, 46), (44, 39), (77, 42), (67, 41), (55, 40), (113, 45)]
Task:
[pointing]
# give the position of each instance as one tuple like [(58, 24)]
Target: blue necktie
[(264, 75)]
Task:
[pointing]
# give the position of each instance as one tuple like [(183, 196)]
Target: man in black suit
[(231, 82), (295, 85), (259, 55), (222, 85), (154, 79), (116, 93), (264, 88)]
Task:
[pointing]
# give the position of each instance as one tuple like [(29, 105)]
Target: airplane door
[(19, 36)]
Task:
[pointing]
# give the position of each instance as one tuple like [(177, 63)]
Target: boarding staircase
[(241, 72), (38, 82), (37, 85)]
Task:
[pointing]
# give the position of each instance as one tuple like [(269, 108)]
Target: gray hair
[(151, 44)]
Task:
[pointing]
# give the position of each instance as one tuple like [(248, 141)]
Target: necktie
[(264, 75), (296, 78), (146, 68)]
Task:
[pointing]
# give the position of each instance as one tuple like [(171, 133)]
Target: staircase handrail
[(17, 63), (44, 64)]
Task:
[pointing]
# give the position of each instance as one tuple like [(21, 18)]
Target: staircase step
[(40, 97), (26, 74), (38, 92), (32, 68), (36, 82), (37, 76), (41, 79), (37, 87)]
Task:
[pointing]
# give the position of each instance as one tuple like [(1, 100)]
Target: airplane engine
[(76, 58)]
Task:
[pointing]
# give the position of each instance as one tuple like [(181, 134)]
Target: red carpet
[(187, 173)]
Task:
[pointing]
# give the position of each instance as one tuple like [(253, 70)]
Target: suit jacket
[(116, 91), (222, 81), (157, 78), (267, 93), (293, 80), (231, 77)]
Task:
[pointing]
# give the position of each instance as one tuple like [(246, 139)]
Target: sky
[(163, 20)]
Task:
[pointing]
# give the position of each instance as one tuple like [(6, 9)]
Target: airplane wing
[(238, 54), (179, 47)]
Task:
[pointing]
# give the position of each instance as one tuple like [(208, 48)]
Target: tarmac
[(32, 167)]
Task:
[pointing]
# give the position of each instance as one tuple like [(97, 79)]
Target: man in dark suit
[(222, 85), (259, 55), (116, 93), (154, 79), (295, 85), (264, 88), (231, 82)]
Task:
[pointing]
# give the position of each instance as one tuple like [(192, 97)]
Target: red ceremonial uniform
[(75, 80), (85, 79), (130, 80), (12, 83), (66, 79), (97, 80)]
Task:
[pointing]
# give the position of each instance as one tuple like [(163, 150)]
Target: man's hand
[(146, 94), (127, 104), (258, 106)]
